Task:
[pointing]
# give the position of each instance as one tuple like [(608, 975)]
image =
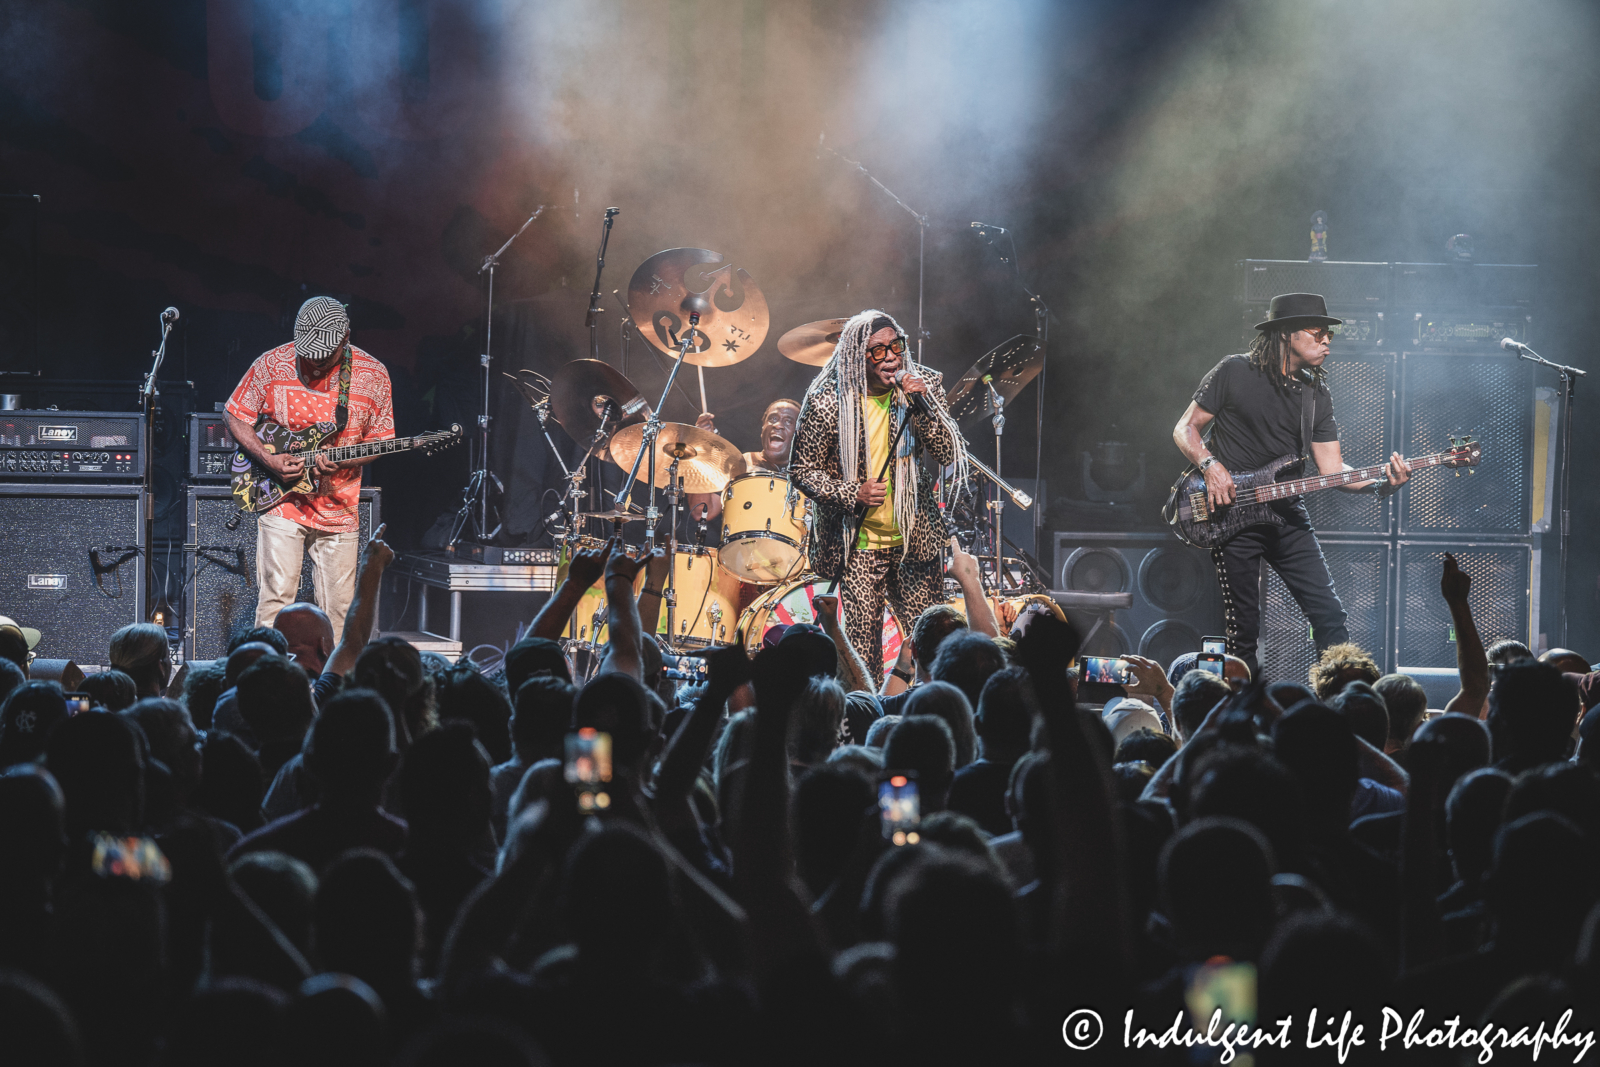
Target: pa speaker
[(72, 567), (1500, 598), (1360, 571), (1176, 601), (222, 579)]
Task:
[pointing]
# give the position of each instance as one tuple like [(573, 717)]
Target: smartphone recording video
[(78, 703), (900, 806), (1109, 669), (1210, 661), (588, 768), (1214, 645)]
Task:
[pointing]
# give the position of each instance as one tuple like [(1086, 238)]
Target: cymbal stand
[(922, 232), (997, 505), (478, 484), (652, 430), (669, 589), (593, 318)]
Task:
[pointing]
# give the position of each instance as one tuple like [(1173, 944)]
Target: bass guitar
[(1189, 513), (258, 489)]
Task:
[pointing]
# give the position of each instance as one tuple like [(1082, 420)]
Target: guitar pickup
[(1197, 505)]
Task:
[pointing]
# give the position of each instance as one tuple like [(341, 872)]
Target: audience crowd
[(352, 853)]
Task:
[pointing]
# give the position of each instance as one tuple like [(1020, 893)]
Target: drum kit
[(695, 306)]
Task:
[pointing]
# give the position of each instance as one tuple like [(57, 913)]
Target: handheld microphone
[(170, 315), (1511, 345), (918, 401)]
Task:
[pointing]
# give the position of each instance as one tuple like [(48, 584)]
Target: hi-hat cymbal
[(812, 343), (671, 284), (581, 391), (1009, 366), (614, 515), (706, 462)]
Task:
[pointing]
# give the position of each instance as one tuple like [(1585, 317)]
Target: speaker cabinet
[(1490, 397), (71, 569), (1176, 601), (1362, 388), (222, 581), (1500, 597), (1360, 571)]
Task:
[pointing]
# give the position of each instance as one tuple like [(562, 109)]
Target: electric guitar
[(259, 489), (1189, 513)]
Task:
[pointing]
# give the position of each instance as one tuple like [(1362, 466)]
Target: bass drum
[(763, 529), (707, 596)]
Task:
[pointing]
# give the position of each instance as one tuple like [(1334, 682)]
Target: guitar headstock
[(1463, 452), (440, 439)]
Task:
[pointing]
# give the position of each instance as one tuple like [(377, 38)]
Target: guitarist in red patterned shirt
[(297, 386)]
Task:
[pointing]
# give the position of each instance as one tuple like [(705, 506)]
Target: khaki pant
[(281, 547)]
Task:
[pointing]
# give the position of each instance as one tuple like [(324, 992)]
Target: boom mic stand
[(593, 318), (155, 606), (477, 491), (1569, 383)]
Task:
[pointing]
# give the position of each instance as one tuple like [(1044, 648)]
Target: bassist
[(319, 377), (1258, 406)]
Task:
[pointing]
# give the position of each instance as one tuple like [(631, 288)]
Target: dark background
[(232, 158)]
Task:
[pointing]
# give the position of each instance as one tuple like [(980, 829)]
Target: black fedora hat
[(1296, 311)]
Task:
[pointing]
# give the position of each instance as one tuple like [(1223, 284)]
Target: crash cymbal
[(706, 462), (579, 394), (614, 515), (812, 343), (1010, 366), (733, 312)]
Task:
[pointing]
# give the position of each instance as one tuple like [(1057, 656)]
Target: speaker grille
[(1499, 598), (222, 583), (1361, 390), (46, 580), (1360, 573), (1491, 398), (1175, 598), (1173, 579), (1096, 570)]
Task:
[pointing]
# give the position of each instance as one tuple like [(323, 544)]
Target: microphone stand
[(922, 233), (593, 319), (1569, 383), (149, 395), (998, 504), (478, 484), (647, 443)]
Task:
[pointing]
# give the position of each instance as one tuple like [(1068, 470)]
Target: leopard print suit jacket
[(816, 470)]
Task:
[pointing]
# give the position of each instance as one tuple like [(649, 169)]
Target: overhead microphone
[(170, 315), (918, 401)]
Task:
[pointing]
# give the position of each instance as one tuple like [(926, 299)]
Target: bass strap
[(1308, 394)]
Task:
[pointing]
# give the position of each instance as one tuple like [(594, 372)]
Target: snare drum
[(763, 531), (707, 595)]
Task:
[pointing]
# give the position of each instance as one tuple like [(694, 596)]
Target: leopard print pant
[(879, 575)]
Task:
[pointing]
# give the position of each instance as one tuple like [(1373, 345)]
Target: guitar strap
[(341, 414), (1308, 400)]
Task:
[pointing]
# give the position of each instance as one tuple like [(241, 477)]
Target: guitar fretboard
[(1283, 490), (339, 453)]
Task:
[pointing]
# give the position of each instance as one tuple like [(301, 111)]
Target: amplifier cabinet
[(71, 446), (1176, 601), (1500, 597), (1341, 284), (71, 567), (222, 575), (1361, 572)]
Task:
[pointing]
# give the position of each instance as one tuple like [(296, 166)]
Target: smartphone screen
[(1223, 984), (1214, 645), (137, 859), (588, 767), (78, 702), (901, 808), (1210, 661), (1106, 669)]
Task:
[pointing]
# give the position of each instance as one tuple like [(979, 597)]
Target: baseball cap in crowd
[(29, 634)]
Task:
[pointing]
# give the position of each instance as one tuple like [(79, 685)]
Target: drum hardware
[(476, 494), (593, 319), (590, 400)]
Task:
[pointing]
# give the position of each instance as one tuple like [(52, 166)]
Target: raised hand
[(377, 552), (621, 565), (1454, 582), (727, 668), (826, 608), (963, 564), (588, 564)]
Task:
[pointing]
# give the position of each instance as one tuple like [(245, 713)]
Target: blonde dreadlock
[(846, 373)]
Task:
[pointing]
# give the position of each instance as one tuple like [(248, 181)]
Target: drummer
[(777, 437)]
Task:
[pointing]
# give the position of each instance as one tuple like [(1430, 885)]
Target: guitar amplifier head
[(211, 447), (222, 578), (74, 445)]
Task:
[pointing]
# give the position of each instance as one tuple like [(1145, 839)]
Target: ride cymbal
[(581, 391), (1010, 366), (733, 312), (706, 462), (812, 343)]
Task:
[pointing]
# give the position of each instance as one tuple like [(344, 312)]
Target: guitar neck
[(1318, 482), (340, 453)]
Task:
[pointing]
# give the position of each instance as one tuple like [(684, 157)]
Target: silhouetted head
[(616, 899), (275, 699), (816, 721), (308, 633), (259, 635), (1319, 748), (830, 801), (37, 1024), (228, 1020), (172, 740), (1196, 694), (1005, 715), (533, 656), (142, 653), (351, 750), (11, 676), (922, 743), (1366, 712), (394, 668), (1506, 651), (230, 781), (1540, 889), (1216, 888), (1340, 665), (542, 718), (463, 693), (337, 1020), (944, 701), (444, 789), (1571, 790), (1146, 746), (32, 830), (617, 704), (282, 887), (812, 648), (31, 713), (1532, 709), (112, 689), (1466, 745), (878, 733), (931, 628), (1245, 783), (367, 922), (1405, 700), (1472, 819), (240, 659), (1325, 959), (967, 660), (1565, 660), (98, 759)]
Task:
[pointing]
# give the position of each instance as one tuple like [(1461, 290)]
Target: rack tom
[(763, 529)]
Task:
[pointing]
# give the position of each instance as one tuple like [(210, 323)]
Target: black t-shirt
[(1258, 414)]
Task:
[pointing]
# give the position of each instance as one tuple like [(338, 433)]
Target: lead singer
[(847, 421)]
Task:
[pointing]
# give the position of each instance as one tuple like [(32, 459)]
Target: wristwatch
[(901, 673)]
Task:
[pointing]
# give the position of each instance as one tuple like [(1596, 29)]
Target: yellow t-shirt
[(878, 529)]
